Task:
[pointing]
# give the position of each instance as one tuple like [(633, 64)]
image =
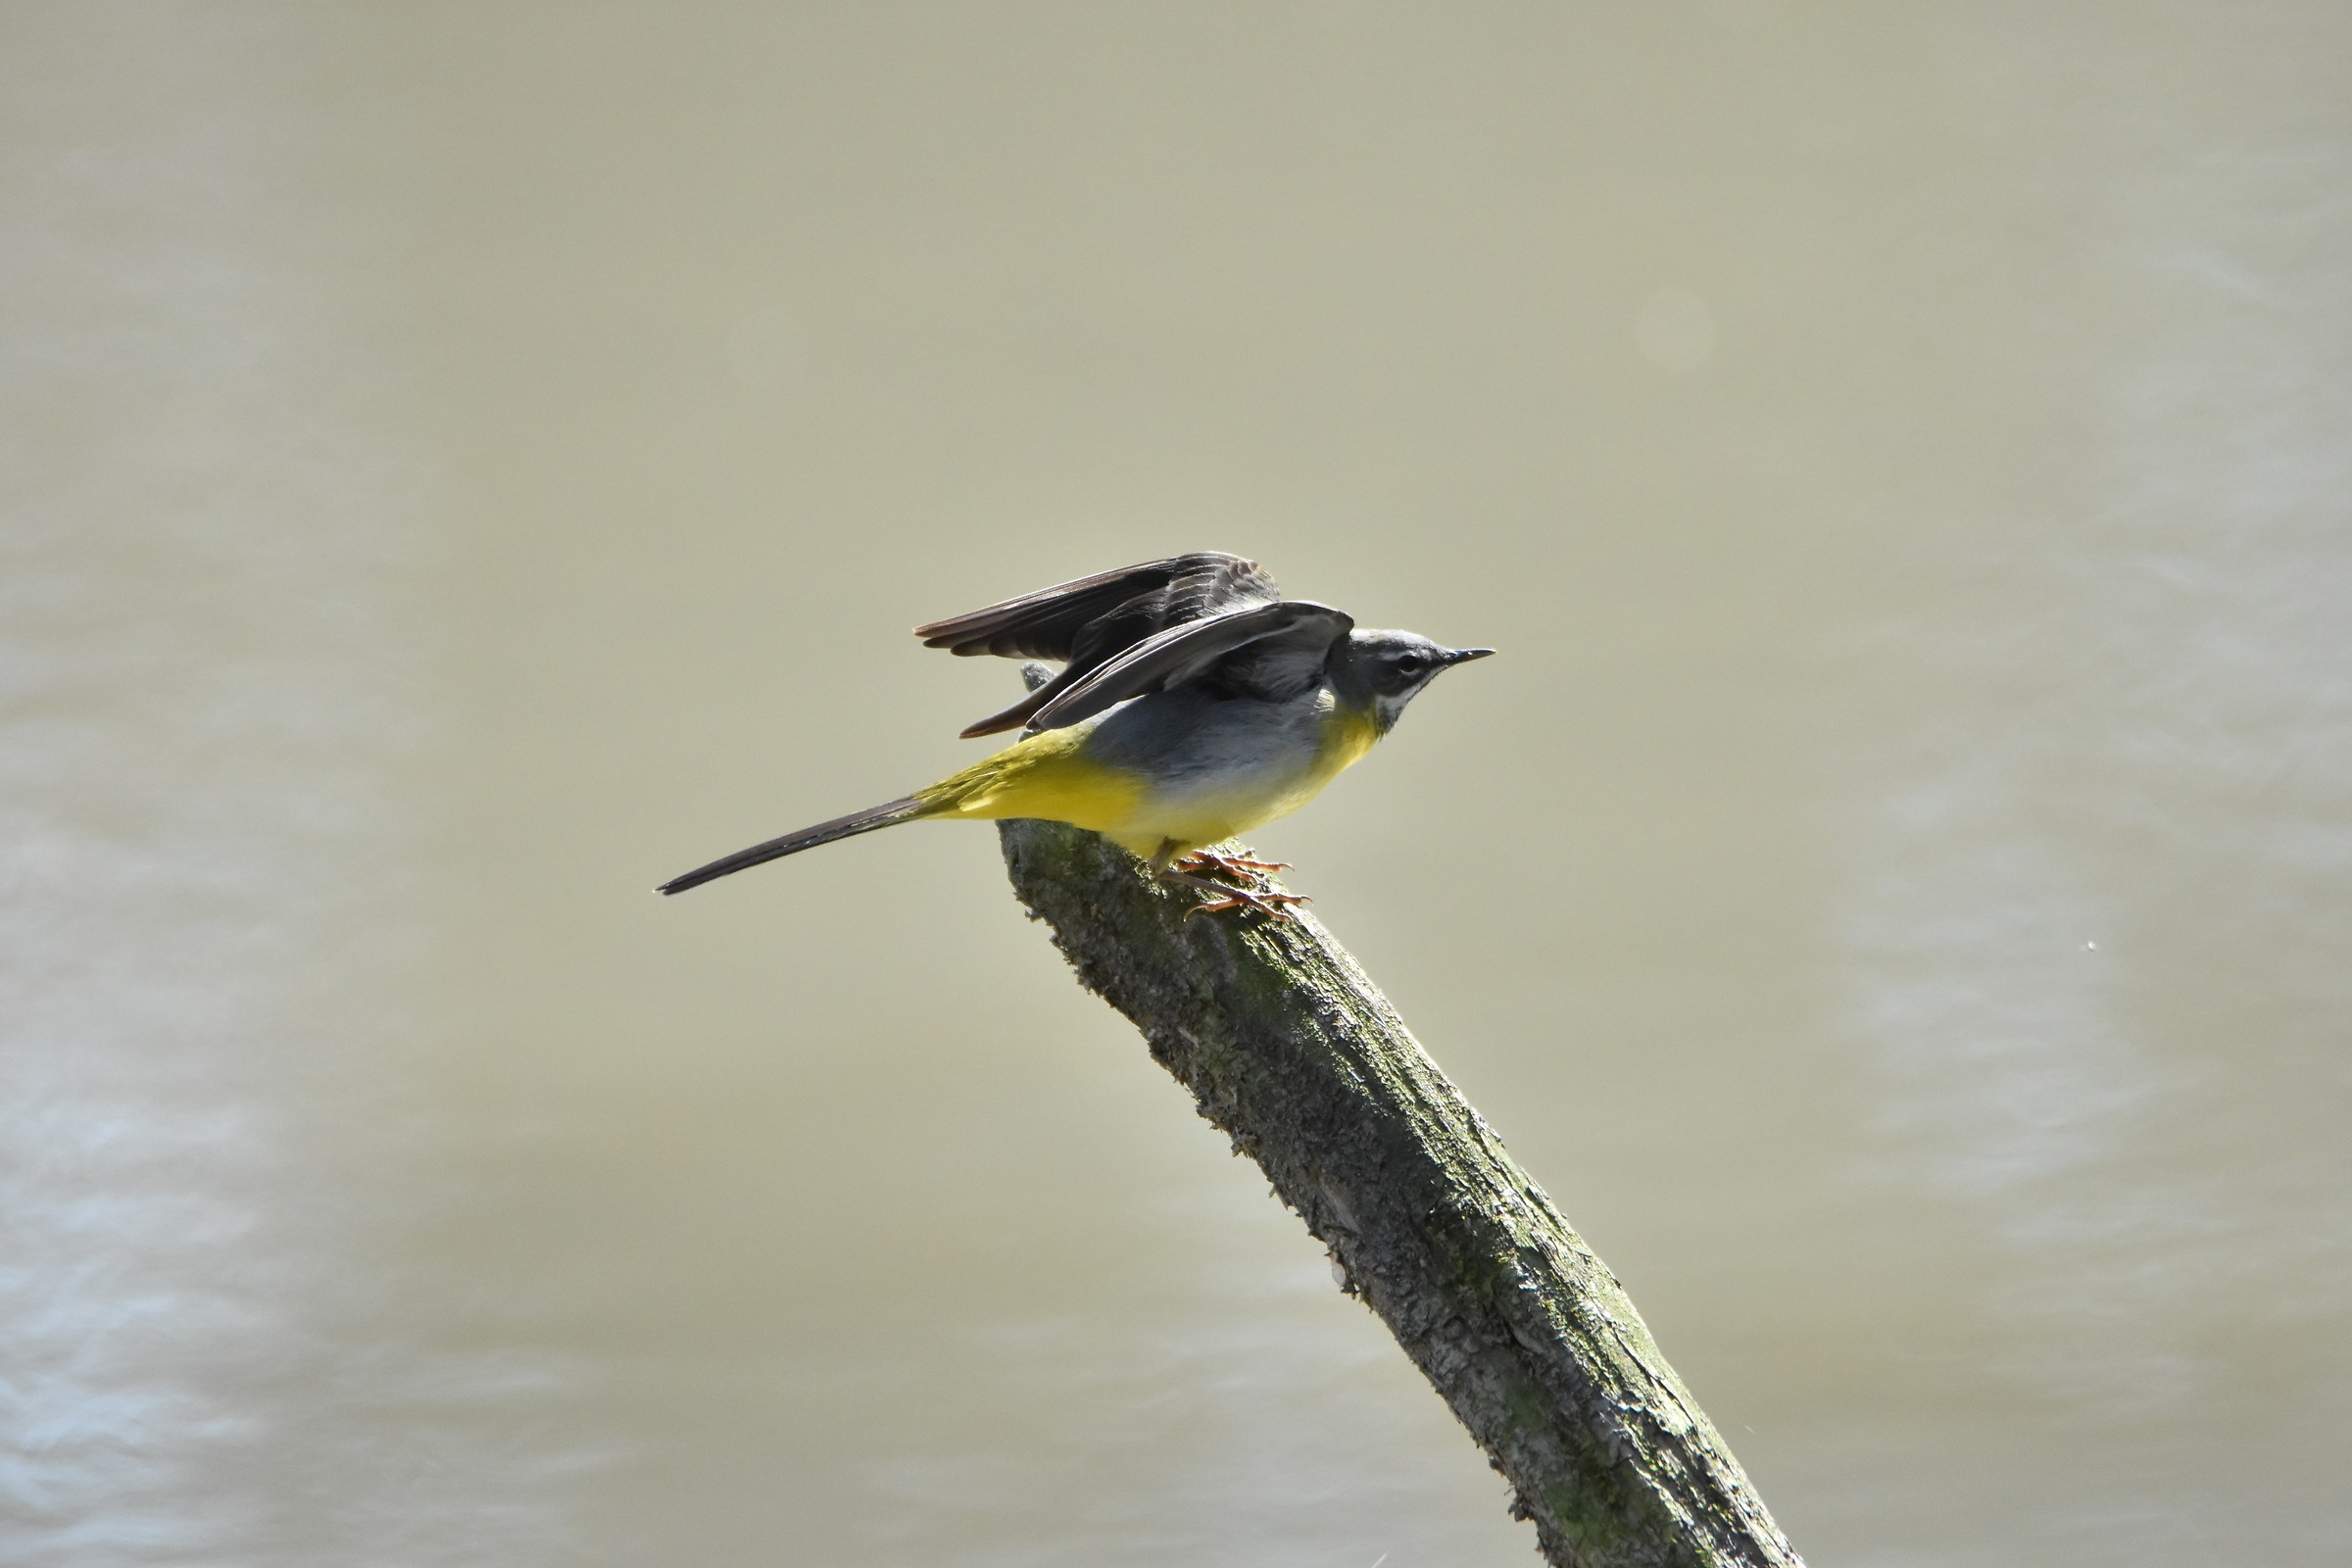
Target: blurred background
[(462, 465)]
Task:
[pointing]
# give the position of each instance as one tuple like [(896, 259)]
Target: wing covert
[(1274, 650), (1092, 620)]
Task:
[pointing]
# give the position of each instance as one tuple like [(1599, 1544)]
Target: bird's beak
[(1464, 656)]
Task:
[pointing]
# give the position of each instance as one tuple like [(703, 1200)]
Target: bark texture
[(1291, 1050)]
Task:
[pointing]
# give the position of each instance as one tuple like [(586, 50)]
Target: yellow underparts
[(1048, 776), (1045, 776)]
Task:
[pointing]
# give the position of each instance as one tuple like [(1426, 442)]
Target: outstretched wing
[(1274, 650), (1150, 597), (1093, 619)]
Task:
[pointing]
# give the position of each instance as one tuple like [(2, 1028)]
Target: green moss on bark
[(1289, 1048)]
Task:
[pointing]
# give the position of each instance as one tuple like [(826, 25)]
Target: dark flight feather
[(1092, 620), (1273, 651)]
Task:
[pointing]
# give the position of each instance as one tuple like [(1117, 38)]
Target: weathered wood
[(1288, 1047)]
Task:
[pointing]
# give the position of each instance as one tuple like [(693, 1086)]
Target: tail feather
[(888, 815)]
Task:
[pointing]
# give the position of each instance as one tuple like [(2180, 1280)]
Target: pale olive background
[(465, 462)]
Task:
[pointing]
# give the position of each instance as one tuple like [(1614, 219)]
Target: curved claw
[(1248, 888), (1267, 903), (1236, 866)]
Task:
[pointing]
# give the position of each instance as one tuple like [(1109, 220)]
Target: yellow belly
[(1050, 776), (1212, 817), (1045, 776)]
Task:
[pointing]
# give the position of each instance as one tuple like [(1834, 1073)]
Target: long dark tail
[(889, 815)]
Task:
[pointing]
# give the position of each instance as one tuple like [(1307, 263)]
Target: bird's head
[(1389, 669)]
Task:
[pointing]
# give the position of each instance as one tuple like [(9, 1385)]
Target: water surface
[(462, 466)]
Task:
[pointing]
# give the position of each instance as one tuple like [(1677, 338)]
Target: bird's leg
[(1236, 866), (1265, 900), (1248, 889)]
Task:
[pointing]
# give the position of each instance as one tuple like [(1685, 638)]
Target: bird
[(1195, 703)]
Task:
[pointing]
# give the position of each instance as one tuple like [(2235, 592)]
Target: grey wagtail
[(1197, 703)]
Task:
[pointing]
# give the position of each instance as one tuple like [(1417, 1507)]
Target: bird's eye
[(1411, 664)]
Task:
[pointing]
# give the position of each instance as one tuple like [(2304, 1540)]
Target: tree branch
[(1288, 1047)]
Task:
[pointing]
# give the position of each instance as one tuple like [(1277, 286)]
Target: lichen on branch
[(1288, 1046)]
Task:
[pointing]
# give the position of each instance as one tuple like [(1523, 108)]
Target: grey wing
[(1272, 651), (1050, 623), (1093, 619)]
